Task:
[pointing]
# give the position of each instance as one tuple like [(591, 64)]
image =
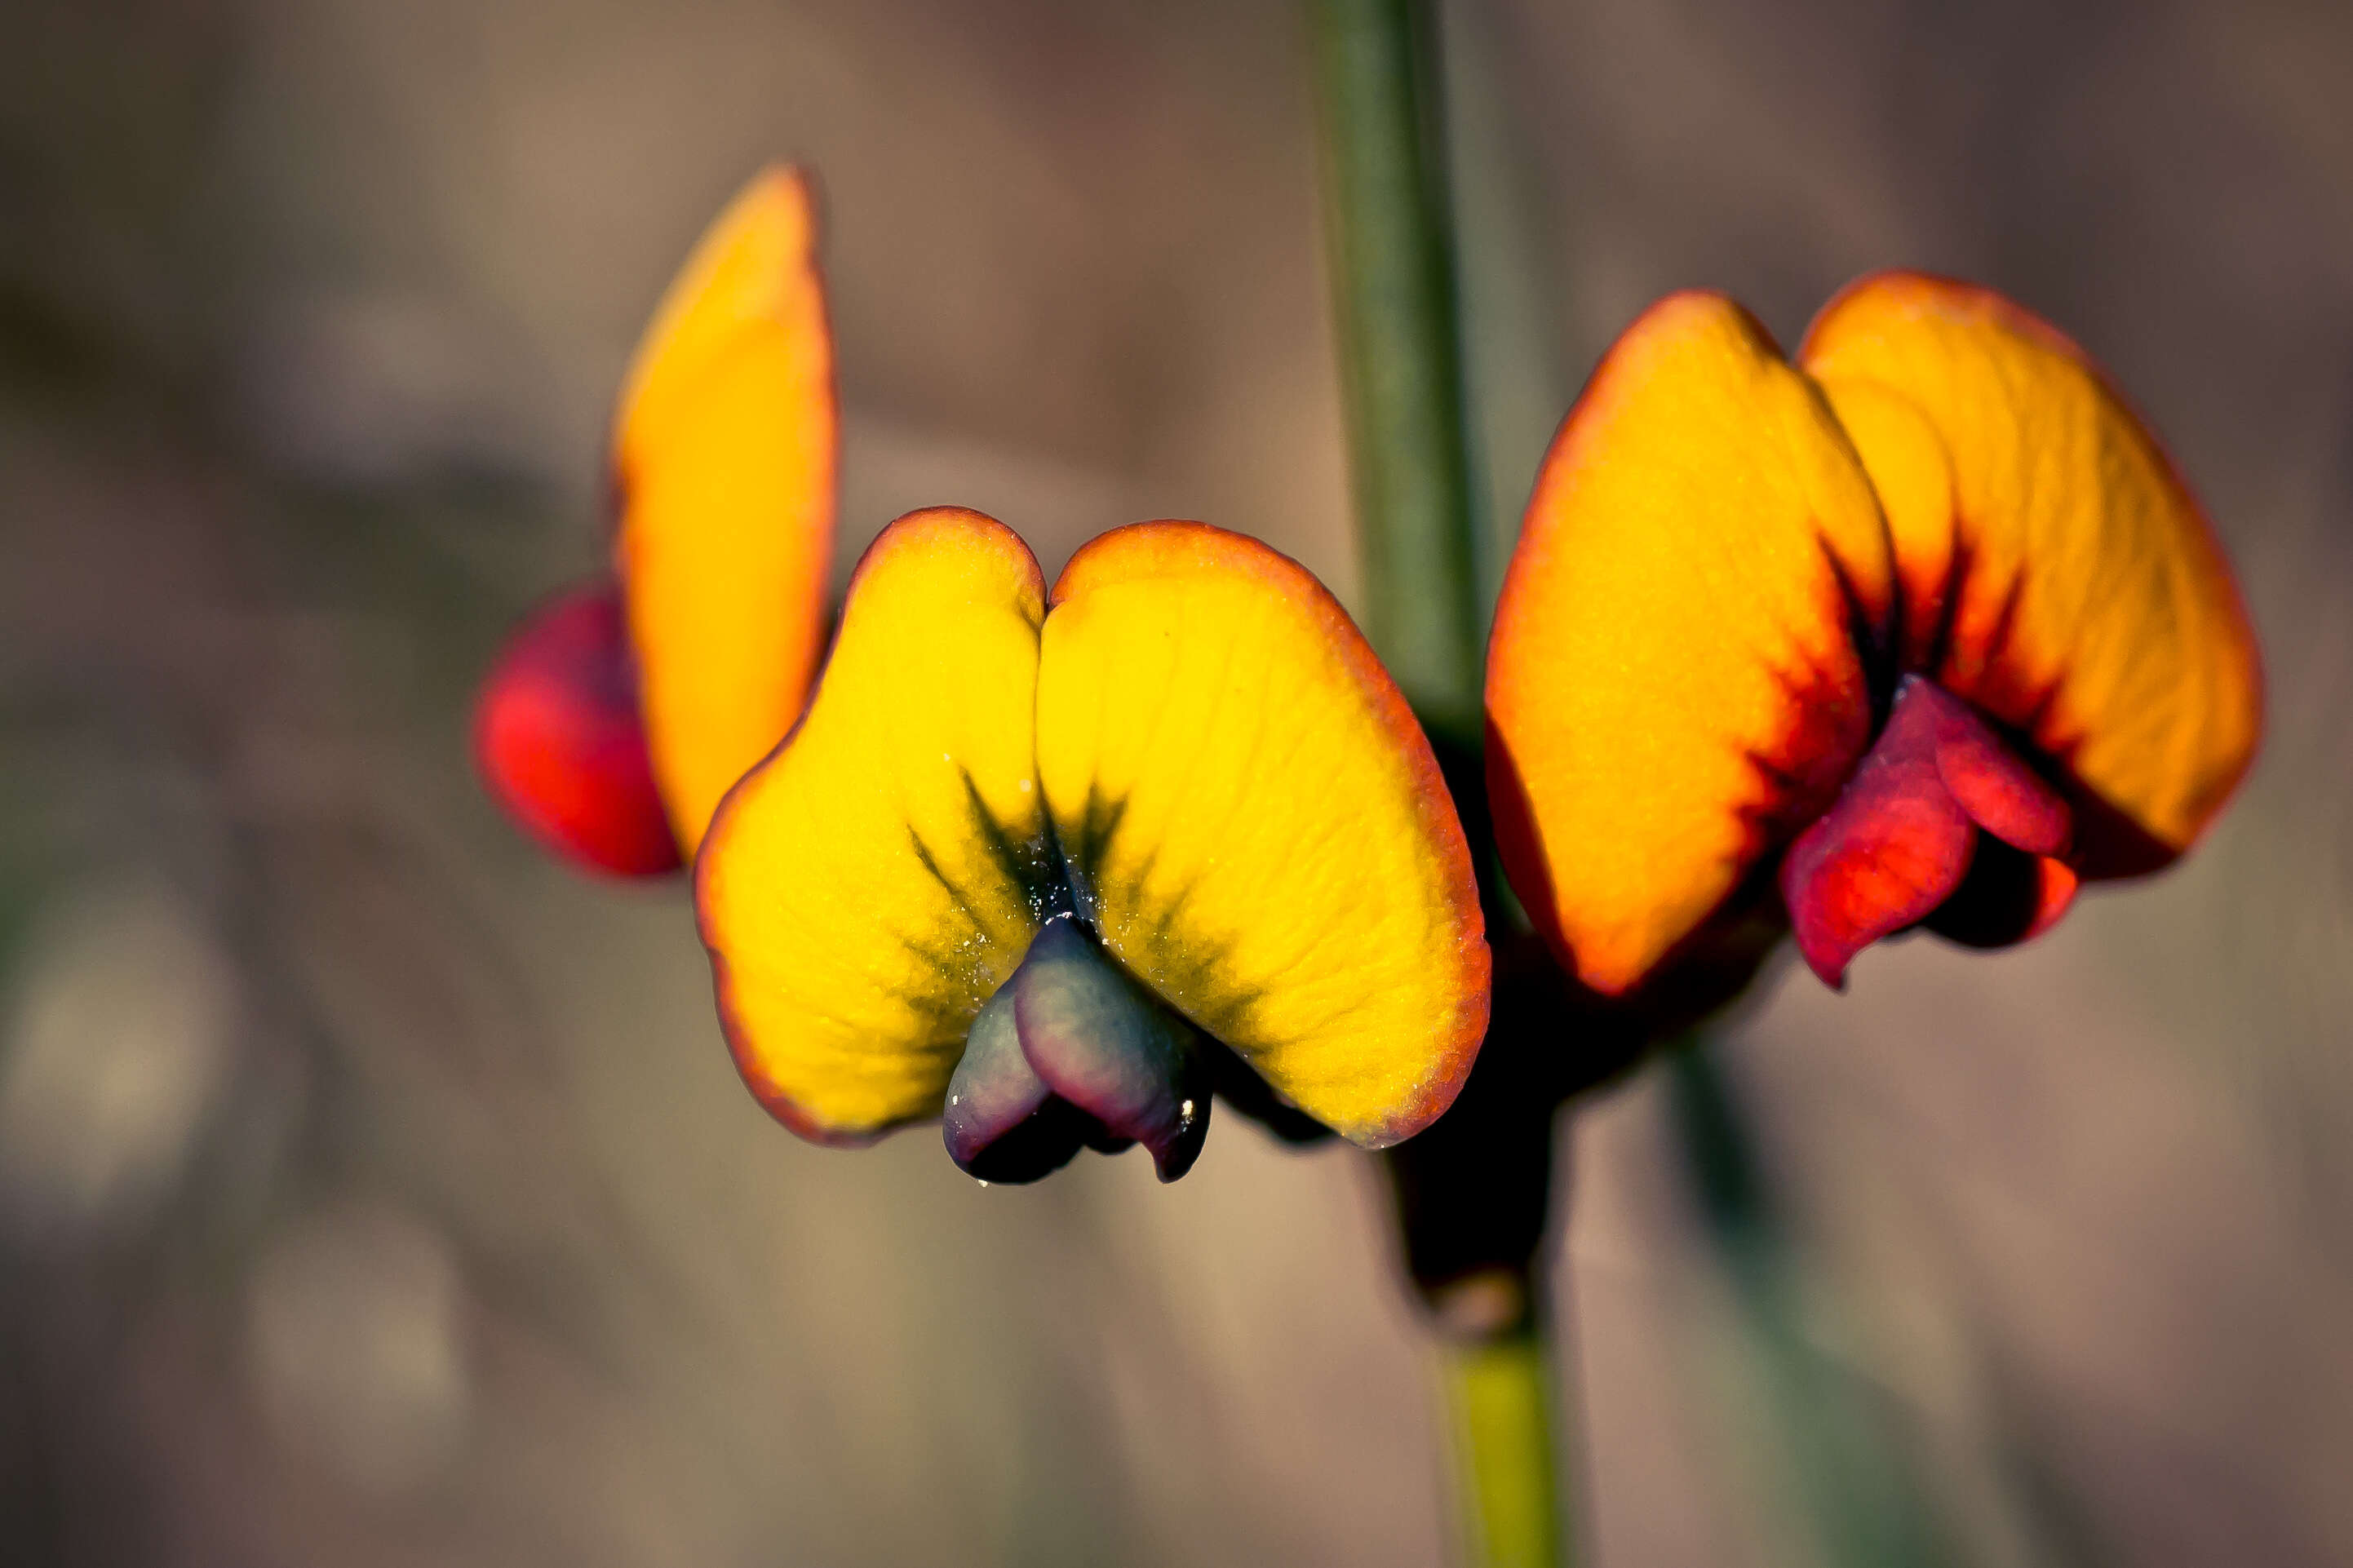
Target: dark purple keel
[(1072, 1053)]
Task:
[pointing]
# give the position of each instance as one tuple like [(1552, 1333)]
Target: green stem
[(1499, 1404), (1390, 240)]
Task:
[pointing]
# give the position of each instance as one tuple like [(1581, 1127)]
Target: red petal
[(559, 743), (2000, 793), (1902, 840), (1894, 847)]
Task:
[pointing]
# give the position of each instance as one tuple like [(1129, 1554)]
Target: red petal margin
[(559, 743), (1902, 835)]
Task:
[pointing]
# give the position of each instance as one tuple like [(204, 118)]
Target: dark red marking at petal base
[(1903, 839), (559, 744)]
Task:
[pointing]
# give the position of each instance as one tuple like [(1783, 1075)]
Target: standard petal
[(2084, 601), (1680, 675), (558, 740), (723, 455), (871, 885), (1256, 825)]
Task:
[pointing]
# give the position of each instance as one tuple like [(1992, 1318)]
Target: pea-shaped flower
[(1923, 629), (1055, 868), (618, 713)]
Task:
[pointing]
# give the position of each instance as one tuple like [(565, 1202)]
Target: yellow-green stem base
[(1499, 1404)]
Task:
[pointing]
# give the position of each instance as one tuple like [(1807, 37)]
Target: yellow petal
[(871, 885), (723, 457), (1257, 826), (1675, 681), (2083, 599)]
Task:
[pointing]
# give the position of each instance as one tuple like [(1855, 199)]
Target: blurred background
[(374, 1192)]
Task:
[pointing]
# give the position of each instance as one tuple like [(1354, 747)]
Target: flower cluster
[(1919, 629), (1056, 870)]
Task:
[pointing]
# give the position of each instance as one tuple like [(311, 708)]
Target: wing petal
[(1257, 826), (868, 888), (1680, 672)]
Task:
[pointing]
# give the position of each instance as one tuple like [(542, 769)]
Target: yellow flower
[(1057, 867)]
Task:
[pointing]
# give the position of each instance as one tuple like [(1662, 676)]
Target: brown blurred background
[(373, 1192)]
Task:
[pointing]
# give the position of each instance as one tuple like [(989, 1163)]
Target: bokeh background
[(373, 1192)]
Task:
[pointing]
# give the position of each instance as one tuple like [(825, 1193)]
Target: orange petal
[(1674, 684), (2055, 889), (723, 455), (865, 889), (2079, 595), (1257, 826)]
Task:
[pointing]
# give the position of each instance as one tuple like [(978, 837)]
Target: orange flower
[(621, 711), (1922, 629)]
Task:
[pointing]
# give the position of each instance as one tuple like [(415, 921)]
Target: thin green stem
[(1499, 1404), (1390, 240)]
